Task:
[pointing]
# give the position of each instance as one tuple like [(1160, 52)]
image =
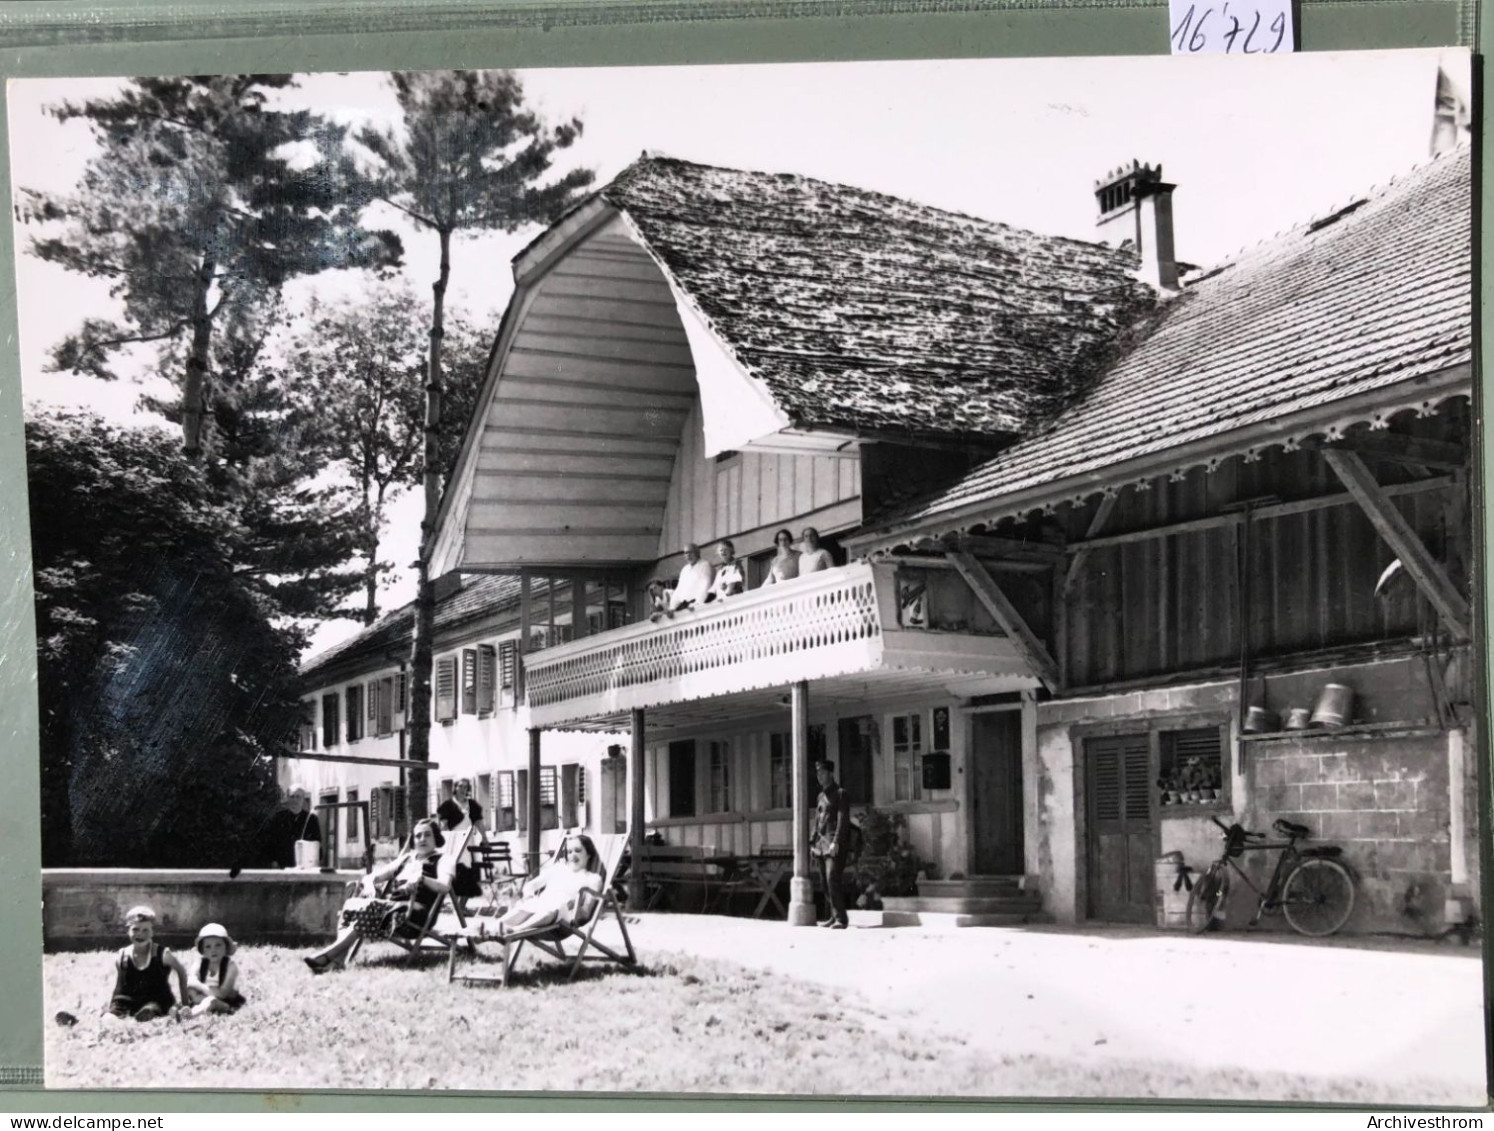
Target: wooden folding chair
[(424, 934), (552, 937)]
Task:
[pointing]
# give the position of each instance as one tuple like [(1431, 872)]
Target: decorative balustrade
[(818, 613)]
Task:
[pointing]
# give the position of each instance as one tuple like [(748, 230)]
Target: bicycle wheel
[(1206, 898), (1317, 897)]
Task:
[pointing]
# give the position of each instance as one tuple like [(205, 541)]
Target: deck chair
[(429, 937), (554, 937), (495, 868)]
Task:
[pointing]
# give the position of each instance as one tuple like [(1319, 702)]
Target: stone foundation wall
[(83, 908)]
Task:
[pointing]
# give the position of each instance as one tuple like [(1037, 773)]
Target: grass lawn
[(675, 1024)]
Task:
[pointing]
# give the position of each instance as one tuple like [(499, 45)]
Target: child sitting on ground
[(215, 986), (142, 972)]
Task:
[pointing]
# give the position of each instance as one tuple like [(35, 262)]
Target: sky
[(1255, 146)]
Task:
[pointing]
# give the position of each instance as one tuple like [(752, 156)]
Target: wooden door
[(1122, 845), (860, 747), (996, 794)]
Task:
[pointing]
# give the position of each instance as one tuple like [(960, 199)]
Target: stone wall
[(84, 908)]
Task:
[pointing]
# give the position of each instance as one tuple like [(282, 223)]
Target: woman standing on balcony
[(785, 563)]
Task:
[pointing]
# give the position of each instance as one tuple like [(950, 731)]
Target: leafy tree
[(165, 690), (202, 201), (469, 157), (356, 369)]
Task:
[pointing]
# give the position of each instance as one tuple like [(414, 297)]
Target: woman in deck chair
[(420, 877), (563, 889)]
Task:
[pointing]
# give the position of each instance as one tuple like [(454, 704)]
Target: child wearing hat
[(215, 988), (142, 971)]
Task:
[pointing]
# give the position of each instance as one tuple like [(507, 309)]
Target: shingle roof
[(866, 312), (480, 595), (1371, 296)]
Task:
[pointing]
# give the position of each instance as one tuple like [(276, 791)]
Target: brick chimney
[(1136, 209)]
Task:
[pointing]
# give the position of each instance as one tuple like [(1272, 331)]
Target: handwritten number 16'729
[(1199, 26)]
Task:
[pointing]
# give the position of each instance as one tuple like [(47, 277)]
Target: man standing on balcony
[(831, 842), (695, 580), (728, 581), (814, 556)]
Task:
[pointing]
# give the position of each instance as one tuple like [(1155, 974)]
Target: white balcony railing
[(817, 612)]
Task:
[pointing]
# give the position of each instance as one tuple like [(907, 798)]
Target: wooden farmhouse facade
[(1087, 508)]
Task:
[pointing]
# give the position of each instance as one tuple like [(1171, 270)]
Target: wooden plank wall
[(1172, 604), (711, 499)]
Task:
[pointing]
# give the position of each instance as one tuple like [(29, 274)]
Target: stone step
[(973, 886), (946, 921), (1021, 904)]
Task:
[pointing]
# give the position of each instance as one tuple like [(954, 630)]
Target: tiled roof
[(1366, 298), (870, 313), (480, 595)]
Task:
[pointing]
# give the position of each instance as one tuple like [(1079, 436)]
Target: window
[(484, 796), (1191, 769), (306, 739), (384, 724), (469, 681), (573, 811), (860, 748), (446, 790), (549, 798), (780, 771), (355, 712), (329, 719), (720, 763), (386, 812), (446, 676), (353, 816), (487, 678), (907, 757), (682, 778), (504, 814)]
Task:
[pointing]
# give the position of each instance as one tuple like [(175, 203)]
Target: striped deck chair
[(554, 938), (426, 933)]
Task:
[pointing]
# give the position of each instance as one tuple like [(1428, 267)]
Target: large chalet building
[(1089, 508)]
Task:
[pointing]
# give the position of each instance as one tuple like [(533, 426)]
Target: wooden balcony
[(838, 625)]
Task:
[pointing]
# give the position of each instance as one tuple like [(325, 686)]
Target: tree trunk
[(425, 599), (194, 395)]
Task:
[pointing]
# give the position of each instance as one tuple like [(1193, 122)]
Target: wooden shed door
[(996, 794), (1121, 844)]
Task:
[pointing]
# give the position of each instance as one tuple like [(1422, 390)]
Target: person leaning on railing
[(728, 581), (814, 556), (694, 585), (785, 563)]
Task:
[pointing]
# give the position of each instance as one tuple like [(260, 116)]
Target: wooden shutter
[(446, 676), (401, 823), (549, 787), (469, 681), (569, 795), (386, 705), (1120, 777), (329, 720), (508, 654), (505, 805), (521, 800), (372, 692), (487, 678), (354, 695)]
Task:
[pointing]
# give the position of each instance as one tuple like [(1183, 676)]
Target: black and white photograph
[(944, 579)]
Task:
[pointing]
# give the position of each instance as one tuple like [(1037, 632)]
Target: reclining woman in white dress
[(559, 890)]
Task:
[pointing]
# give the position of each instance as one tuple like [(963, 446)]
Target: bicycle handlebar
[(1243, 831)]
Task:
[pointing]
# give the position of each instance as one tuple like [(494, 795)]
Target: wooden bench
[(667, 868)]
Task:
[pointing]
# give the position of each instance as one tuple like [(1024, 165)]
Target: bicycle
[(1309, 886)]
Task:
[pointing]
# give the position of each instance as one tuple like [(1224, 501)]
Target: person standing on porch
[(695, 580), (831, 842), (814, 557), (728, 581)]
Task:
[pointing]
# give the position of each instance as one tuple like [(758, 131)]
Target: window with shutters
[(907, 757), (504, 814), (329, 720), (549, 798), (354, 696), (780, 771), (306, 740), (353, 811), (446, 689), (487, 678), (469, 681), (1192, 772), (384, 724), (719, 800), (1119, 771)]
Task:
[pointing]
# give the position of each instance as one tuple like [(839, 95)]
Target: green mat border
[(118, 37)]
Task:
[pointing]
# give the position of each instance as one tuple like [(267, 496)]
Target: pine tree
[(469, 157)]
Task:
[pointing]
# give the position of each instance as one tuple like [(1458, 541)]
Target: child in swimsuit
[(215, 987), (142, 972)]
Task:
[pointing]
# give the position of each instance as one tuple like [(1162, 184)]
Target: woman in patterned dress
[(421, 876)]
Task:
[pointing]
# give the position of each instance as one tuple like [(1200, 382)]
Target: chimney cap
[(1135, 170)]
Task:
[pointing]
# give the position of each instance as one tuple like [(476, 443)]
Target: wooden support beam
[(913, 561), (1096, 524), (1392, 526), (397, 763), (801, 911), (1017, 549), (984, 586), (637, 821), (532, 805), (1393, 447), (1270, 510)]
